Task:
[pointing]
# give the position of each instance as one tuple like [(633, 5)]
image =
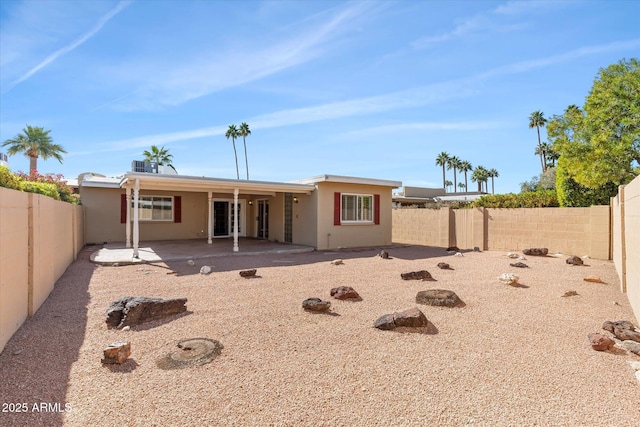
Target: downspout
[(136, 225)]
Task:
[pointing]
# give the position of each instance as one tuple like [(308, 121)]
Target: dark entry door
[(263, 219), (220, 218)]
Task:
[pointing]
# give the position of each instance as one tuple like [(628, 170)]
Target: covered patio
[(182, 250)]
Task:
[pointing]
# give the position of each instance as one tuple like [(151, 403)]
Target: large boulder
[(438, 298), (132, 311), (412, 318), (344, 292), (417, 275), (536, 251)]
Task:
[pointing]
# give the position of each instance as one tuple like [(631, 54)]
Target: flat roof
[(349, 180)]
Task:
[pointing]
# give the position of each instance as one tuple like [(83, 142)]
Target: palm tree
[(480, 175), (454, 162), (465, 167), (493, 174), (537, 120), (442, 160), (233, 133), (34, 142), (244, 132), (462, 186), (159, 155), (448, 184)]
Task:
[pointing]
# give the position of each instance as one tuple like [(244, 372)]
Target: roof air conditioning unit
[(4, 160), (146, 167)]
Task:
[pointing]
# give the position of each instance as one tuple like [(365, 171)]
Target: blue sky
[(371, 89)]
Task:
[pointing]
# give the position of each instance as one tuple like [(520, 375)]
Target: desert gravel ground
[(512, 356)]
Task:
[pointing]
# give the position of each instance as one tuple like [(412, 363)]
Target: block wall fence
[(39, 238)]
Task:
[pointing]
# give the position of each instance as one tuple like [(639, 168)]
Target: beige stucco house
[(325, 212)]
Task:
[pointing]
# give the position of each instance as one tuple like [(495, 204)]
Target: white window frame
[(150, 198), (359, 209)]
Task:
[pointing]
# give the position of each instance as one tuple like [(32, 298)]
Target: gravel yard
[(510, 356)]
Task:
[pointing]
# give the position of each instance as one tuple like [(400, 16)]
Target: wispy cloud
[(487, 21), (171, 85), (424, 126), (55, 55)]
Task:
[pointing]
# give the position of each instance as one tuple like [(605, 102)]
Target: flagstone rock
[(132, 311), (344, 292), (600, 342), (438, 298), (519, 265), (116, 353), (575, 260), (316, 304), (536, 251), (417, 275), (622, 329), (248, 273)]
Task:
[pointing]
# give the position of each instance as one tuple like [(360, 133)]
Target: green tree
[(537, 120), (454, 162), (34, 142), (601, 143), (443, 160), (159, 155), (492, 173), (233, 133), (244, 132), (465, 167)]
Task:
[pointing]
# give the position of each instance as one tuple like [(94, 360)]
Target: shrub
[(65, 193), (44, 188), (9, 180), (531, 199), (572, 194)]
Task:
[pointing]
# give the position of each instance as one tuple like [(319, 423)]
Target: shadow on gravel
[(44, 349)]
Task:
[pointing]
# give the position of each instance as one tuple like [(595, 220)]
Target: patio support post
[(210, 218), (236, 192), (136, 226), (128, 225)]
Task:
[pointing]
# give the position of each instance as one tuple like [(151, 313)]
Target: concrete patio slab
[(179, 250)]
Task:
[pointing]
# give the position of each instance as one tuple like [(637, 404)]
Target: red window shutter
[(337, 214), (177, 209), (376, 209), (123, 208)]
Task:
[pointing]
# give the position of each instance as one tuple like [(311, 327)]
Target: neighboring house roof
[(96, 180), (349, 180)]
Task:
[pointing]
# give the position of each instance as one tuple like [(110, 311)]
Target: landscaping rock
[(438, 298), (444, 266), (337, 262), (508, 279), (575, 260), (632, 346), (344, 292), (248, 273), (384, 254), (536, 251), (132, 311), (519, 265), (412, 318), (117, 353), (205, 269), (593, 279), (476, 249), (453, 249), (316, 304), (458, 254), (570, 294), (600, 342), (191, 262), (417, 275), (513, 255), (622, 329)]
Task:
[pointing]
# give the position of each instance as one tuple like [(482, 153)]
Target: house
[(421, 196), (325, 212)]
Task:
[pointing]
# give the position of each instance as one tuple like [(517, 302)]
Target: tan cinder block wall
[(39, 238), (14, 266), (626, 241), (573, 231), (428, 227)]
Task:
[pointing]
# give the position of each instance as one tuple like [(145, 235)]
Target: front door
[(263, 219)]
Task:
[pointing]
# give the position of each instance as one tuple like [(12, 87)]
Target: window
[(357, 208), (154, 208)]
